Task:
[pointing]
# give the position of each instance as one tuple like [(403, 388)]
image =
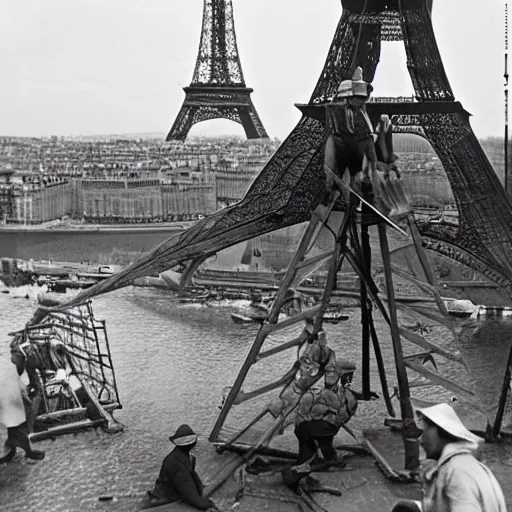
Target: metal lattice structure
[(67, 358), (292, 183), (218, 87)]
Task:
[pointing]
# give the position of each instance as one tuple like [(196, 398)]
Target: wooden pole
[(365, 314), (410, 431), (364, 253), (495, 431), (505, 75), (380, 365)]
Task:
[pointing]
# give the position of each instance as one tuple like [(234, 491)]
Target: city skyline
[(94, 68)]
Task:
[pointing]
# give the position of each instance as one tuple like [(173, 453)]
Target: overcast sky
[(73, 67)]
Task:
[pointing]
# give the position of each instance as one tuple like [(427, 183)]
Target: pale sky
[(71, 67)]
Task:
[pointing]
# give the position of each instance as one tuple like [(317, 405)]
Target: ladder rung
[(418, 354), (307, 313), (243, 397), (314, 259), (280, 348), (442, 381), (422, 342)]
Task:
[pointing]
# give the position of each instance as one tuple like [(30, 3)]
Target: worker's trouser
[(17, 437), (351, 155), (312, 434)]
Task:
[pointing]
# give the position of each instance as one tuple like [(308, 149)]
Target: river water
[(172, 362)]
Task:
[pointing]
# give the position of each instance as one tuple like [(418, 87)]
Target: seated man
[(178, 479)]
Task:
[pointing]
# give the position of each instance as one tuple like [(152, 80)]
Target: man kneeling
[(178, 479)]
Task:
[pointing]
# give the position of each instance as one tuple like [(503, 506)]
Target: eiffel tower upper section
[(218, 87), (218, 62)]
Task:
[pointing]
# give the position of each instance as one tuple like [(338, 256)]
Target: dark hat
[(183, 436)]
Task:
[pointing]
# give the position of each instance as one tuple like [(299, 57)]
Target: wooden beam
[(314, 259), (68, 428), (285, 346), (437, 379), (410, 441), (307, 313), (505, 391), (285, 379)]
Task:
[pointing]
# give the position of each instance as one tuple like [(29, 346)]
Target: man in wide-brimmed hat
[(178, 479), (453, 479)]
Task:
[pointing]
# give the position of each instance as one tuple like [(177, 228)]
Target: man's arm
[(461, 492), (185, 485)]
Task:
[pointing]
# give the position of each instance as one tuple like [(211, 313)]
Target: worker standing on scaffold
[(350, 134)]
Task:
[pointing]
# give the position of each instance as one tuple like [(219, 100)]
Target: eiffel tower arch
[(483, 238), (218, 89)]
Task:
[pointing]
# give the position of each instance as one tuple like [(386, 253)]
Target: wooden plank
[(314, 259), (442, 381), (285, 346), (422, 342), (285, 379), (307, 313), (69, 428), (407, 412)]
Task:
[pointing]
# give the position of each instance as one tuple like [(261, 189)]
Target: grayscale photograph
[(255, 256)]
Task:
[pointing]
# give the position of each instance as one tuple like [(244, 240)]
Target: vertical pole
[(503, 399), (380, 365), (506, 99), (365, 314), (410, 430)]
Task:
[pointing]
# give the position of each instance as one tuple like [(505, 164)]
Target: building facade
[(36, 203)]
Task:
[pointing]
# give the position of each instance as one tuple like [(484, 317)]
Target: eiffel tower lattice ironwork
[(218, 87)]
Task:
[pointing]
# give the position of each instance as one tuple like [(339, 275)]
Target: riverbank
[(81, 227)]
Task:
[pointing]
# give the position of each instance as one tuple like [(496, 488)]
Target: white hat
[(354, 87), (445, 417)]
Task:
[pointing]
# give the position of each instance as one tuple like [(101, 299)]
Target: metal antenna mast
[(506, 97)]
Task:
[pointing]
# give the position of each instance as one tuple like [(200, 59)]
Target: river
[(92, 246)]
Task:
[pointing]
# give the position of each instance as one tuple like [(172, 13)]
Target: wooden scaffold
[(351, 243), (72, 385)]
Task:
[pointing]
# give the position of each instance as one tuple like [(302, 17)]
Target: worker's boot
[(8, 452), (18, 436)]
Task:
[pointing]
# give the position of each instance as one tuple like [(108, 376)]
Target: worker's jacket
[(351, 125), (352, 133), (334, 406), (460, 483), (178, 480)]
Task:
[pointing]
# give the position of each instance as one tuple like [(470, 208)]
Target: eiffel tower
[(218, 87)]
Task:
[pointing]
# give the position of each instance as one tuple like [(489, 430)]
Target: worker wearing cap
[(178, 479), (350, 131), (453, 479), (322, 412)]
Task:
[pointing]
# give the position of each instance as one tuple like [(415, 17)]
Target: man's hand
[(276, 406)]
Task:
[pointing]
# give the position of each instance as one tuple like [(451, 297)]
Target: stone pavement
[(80, 469)]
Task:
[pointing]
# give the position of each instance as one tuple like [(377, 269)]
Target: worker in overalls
[(350, 134)]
